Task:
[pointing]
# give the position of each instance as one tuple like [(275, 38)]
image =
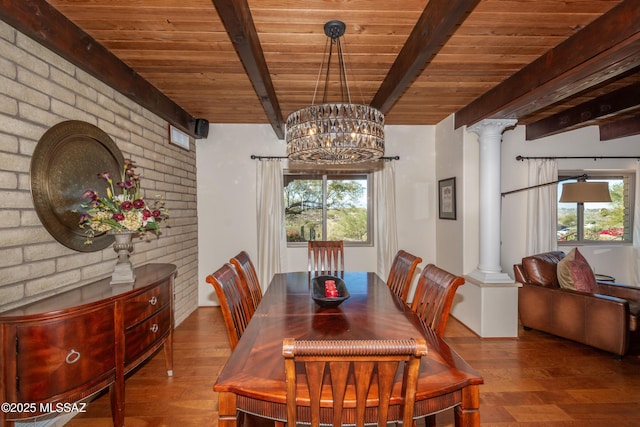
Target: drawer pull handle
[(72, 357), (153, 301), (154, 328)]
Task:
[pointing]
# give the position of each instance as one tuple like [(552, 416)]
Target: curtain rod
[(255, 157), (583, 177), (522, 158)]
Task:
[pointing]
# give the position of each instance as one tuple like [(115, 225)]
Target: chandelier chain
[(324, 54)]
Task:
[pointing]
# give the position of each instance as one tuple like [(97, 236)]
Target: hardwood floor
[(536, 380)]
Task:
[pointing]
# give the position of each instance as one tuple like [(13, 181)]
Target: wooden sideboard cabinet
[(64, 348)]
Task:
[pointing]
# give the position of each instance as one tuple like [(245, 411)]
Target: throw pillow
[(564, 271), (574, 272), (583, 278)]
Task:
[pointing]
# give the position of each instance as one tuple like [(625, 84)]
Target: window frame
[(629, 193), (325, 176)]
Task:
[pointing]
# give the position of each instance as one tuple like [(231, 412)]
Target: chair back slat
[(234, 301), (325, 257), (434, 296), (401, 273), (330, 368), (248, 276)]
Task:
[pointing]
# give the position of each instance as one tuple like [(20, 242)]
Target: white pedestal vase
[(123, 273)]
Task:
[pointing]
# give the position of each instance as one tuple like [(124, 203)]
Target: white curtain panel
[(542, 202), (384, 184), (270, 216), (636, 228)]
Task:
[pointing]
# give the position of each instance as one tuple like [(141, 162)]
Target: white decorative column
[(490, 137), (489, 299)]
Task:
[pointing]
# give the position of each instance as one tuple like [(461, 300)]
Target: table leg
[(468, 413), (227, 410)]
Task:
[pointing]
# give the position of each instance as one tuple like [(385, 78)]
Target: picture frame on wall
[(447, 198)]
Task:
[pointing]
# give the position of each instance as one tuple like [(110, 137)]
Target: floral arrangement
[(122, 211)]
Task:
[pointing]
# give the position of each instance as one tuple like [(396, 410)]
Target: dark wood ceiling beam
[(584, 60), (236, 18), (46, 25), (438, 22), (628, 126), (623, 100)]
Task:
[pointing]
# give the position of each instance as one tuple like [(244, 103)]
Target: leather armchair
[(607, 320)]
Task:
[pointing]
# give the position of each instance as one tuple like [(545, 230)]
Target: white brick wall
[(39, 89)]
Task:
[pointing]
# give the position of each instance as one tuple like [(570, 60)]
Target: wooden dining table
[(253, 379)]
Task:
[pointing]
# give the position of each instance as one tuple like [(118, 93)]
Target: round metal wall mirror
[(65, 163)]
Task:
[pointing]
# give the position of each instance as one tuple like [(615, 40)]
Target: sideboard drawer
[(57, 356), (141, 306), (141, 337)]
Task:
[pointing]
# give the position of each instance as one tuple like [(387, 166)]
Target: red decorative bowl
[(319, 295)]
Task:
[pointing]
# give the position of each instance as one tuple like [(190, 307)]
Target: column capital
[(491, 126)]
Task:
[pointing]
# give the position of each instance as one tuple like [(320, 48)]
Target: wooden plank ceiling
[(554, 65)]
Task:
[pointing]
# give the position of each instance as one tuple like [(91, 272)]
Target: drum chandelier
[(335, 132)]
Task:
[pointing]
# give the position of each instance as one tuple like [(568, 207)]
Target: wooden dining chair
[(401, 274), (325, 257), (248, 276), (434, 296), (234, 302), (332, 368)]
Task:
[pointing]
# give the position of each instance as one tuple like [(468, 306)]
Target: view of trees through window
[(597, 221), (325, 207)]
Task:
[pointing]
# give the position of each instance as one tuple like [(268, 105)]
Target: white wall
[(416, 204), (457, 244), (227, 185), (227, 197), (607, 259)]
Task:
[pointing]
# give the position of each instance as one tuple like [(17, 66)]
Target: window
[(328, 206), (598, 222)]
